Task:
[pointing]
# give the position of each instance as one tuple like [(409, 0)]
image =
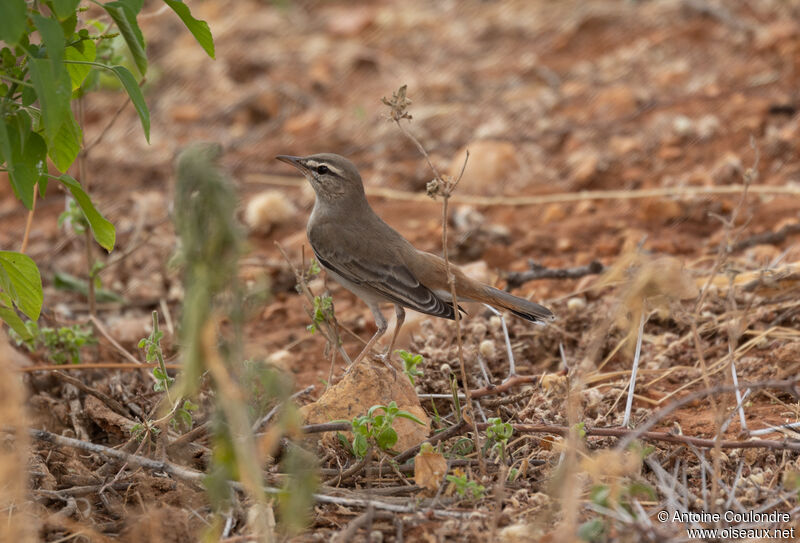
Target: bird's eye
[(322, 169)]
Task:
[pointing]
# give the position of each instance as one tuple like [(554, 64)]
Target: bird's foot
[(386, 358)]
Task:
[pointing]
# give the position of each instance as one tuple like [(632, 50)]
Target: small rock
[(707, 127), (583, 166), (661, 211), (554, 213), (366, 384), (268, 209), (727, 170), (683, 126), (576, 303), (487, 349), (490, 164), (281, 360)]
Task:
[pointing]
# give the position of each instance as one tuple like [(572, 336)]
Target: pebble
[(268, 209)]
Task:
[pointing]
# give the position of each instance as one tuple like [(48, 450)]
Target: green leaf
[(53, 39), (124, 12), (20, 279), (387, 438), (12, 319), (102, 229), (65, 281), (198, 28), (54, 92), (78, 72), (409, 416), (25, 154), (12, 20), (360, 445), (133, 90), (67, 144), (65, 8), (592, 530)]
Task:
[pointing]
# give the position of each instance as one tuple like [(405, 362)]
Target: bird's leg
[(512, 367), (380, 321), (401, 317)]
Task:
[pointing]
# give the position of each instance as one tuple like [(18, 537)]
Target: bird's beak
[(295, 161)]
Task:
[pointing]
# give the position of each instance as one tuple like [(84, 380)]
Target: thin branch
[(537, 271), (29, 221)]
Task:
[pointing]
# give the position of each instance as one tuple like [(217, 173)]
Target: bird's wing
[(395, 281)]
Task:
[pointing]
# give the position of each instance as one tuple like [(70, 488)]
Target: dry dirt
[(550, 98)]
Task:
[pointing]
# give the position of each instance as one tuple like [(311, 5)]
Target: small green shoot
[(62, 344), (410, 363), (323, 310), (377, 429), (464, 486), (497, 436), (153, 353)]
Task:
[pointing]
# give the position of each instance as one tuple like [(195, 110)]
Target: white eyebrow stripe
[(336, 170), (314, 164)]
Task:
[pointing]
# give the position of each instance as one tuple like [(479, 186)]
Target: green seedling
[(62, 344), (466, 487), (323, 310), (497, 436), (376, 428), (410, 363)]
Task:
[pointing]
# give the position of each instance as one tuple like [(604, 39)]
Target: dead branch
[(767, 238), (537, 271)]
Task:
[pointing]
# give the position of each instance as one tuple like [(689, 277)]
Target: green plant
[(410, 363), (153, 353), (50, 57), (63, 344), (323, 310), (463, 485), (497, 436), (376, 429)]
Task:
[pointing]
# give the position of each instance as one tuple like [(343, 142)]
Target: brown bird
[(373, 261)]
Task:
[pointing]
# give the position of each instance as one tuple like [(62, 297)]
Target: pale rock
[(487, 349), (366, 384), (683, 126), (727, 170), (490, 164), (576, 303), (707, 127), (268, 209), (583, 165), (554, 213), (564, 244), (281, 360)]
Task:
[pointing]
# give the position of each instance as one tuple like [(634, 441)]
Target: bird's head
[(332, 176)]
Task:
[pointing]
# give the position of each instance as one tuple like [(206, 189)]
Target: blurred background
[(550, 98)]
